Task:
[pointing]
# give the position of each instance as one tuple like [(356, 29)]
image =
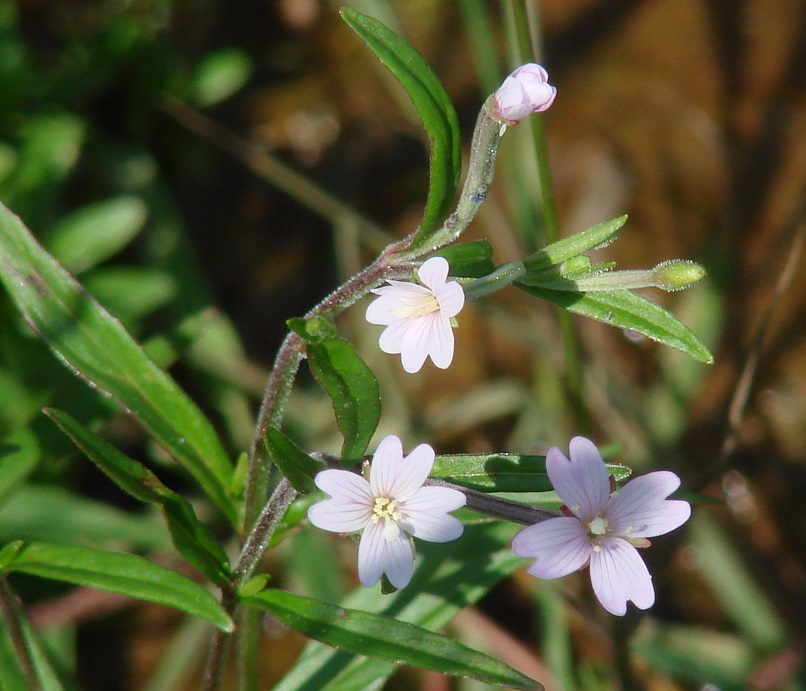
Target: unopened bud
[(523, 92), (677, 274)]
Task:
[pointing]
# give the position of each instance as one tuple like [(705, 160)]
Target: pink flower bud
[(523, 92)]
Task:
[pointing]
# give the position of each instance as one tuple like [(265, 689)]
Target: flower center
[(424, 304), (385, 509), (598, 526)]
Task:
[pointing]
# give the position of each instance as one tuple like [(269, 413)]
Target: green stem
[(480, 173), (504, 275), (12, 614)]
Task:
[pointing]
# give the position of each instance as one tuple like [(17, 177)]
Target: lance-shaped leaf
[(298, 467), (502, 472), (449, 577), (433, 106), (125, 574), (469, 259), (353, 389), (96, 347), (388, 639), (626, 310), (190, 536), (595, 237)]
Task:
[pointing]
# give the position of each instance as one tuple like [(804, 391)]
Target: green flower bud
[(677, 274)]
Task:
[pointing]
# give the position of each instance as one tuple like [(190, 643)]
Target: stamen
[(598, 526)]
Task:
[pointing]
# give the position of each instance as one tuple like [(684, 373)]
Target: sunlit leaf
[(352, 388), (219, 75), (297, 466), (626, 310), (395, 641), (96, 347), (469, 259), (447, 578), (595, 237), (433, 106), (125, 574), (190, 536)]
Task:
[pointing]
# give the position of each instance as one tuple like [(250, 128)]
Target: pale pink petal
[(393, 336), (440, 341), (416, 345), (619, 574), (425, 515), (386, 462), (433, 272), (339, 516), (640, 509), (582, 482), (411, 472), (344, 485), (377, 555), (451, 299), (559, 545), (536, 71), (381, 310)]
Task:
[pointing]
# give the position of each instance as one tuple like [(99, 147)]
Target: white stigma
[(598, 526)]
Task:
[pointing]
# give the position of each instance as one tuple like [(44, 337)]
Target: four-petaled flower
[(418, 317), (604, 529), (390, 506), (523, 92)]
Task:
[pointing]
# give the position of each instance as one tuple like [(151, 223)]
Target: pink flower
[(418, 317), (388, 508), (605, 528), (523, 92)]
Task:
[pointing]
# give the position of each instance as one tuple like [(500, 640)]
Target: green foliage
[(384, 638), (627, 310), (353, 389), (469, 259), (125, 574), (434, 107), (296, 465), (99, 350), (191, 537)]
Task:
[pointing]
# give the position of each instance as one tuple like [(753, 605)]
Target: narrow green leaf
[(190, 536), (298, 467), (388, 639), (447, 578), (626, 310), (125, 574), (96, 232), (595, 237), (96, 347), (469, 259), (353, 389), (502, 472), (19, 456), (47, 512), (433, 106), (9, 553)]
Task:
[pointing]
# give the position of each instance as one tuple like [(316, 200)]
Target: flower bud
[(523, 92), (677, 274)]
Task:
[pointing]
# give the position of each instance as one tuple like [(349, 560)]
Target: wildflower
[(603, 529), (523, 92), (388, 508), (418, 317)]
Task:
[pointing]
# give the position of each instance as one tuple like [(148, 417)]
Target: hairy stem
[(12, 614)]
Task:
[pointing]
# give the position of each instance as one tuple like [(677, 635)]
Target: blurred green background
[(209, 169)]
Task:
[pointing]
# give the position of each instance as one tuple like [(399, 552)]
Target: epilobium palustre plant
[(419, 285)]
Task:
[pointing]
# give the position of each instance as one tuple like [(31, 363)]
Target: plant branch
[(12, 614)]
